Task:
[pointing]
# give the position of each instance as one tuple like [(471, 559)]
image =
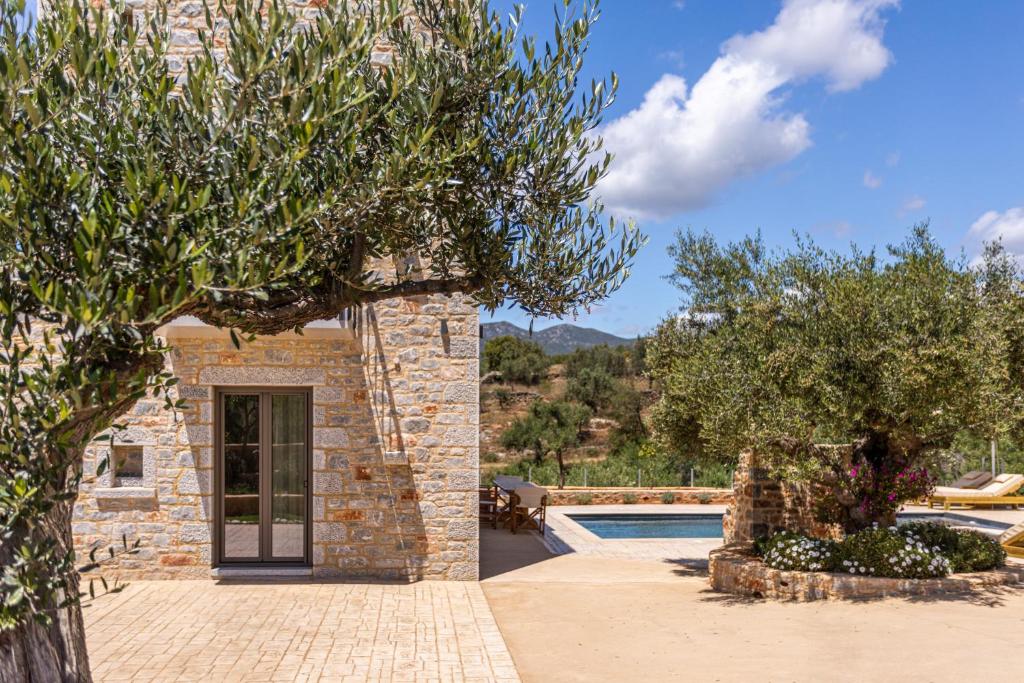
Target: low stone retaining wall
[(578, 495), (735, 569)]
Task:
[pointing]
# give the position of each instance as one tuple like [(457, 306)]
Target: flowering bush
[(918, 550), (792, 551), (968, 551), (868, 493), (892, 552)]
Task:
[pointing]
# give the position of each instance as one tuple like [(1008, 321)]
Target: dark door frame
[(265, 393)]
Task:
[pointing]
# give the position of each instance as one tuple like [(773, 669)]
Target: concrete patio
[(581, 617)]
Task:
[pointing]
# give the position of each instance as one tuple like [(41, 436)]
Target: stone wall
[(733, 569), (578, 495), (762, 506), (395, 447)]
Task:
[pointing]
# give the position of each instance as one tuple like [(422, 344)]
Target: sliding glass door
[(262, 505)]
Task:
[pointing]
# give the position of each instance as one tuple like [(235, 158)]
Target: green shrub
[(704, 498), (628, 498), (892, 552), (593, 387), (583, 499), (967, 550), (668, 497), (790, 551), (489, 457), (504, 397), (600, 357), (519, 361), (627, 409), (919, 550)]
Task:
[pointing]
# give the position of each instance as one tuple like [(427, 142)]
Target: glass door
[(262, 475)]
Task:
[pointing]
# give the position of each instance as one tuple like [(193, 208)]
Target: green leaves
[(778, 352), (258, 183)]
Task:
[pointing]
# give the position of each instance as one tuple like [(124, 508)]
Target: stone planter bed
[(735, 569), (578, 495)]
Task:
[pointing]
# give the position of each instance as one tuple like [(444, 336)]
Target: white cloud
[(915, 203), (681, 146), (893, 159), (871, 181), (675, 57), (1007, 226)]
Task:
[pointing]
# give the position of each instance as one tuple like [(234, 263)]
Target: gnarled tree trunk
[(32, 652)]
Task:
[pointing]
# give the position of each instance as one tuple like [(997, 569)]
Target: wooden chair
[(489, 505), (529, 505)]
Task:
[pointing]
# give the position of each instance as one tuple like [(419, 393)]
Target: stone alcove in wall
[(114, 491)]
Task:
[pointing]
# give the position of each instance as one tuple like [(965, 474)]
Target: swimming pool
[(650, 526), (658, 525)]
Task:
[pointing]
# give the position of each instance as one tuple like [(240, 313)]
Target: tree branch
[(250, 314)]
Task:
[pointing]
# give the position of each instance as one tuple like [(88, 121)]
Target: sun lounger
[(974, 479), (999, 491), (1013, 540)]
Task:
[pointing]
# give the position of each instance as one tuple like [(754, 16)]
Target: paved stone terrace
[(202, 631), (566, 536)]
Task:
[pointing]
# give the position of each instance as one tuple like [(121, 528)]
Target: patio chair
[(529, 508), (1012, 540), (489, 505), (504, 486), (999, 491)]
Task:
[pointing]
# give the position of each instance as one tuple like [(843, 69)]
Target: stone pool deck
[(564, 535)]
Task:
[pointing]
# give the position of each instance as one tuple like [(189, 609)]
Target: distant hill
[(557, 339)]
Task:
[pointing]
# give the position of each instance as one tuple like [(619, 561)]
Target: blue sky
[(907, 111)]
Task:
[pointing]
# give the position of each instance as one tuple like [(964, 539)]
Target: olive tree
[(257, 190), (890, 355), (549, 427), (515, 360)]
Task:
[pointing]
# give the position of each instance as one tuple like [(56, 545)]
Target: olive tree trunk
[(32, 652)]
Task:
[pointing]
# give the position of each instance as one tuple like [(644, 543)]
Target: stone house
[(348, 451)]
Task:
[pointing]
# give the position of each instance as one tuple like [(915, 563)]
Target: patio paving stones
[(296, 631)]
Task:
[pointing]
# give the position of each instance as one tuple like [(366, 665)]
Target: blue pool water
[(651, 526), (710, 526)]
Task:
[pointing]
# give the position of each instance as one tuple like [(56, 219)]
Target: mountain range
[(557, 339)]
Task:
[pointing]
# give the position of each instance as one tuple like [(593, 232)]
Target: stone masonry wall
[(578, 495), (762, 505), (395, 448)]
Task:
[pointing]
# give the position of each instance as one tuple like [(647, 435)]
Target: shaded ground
[(580, 618)]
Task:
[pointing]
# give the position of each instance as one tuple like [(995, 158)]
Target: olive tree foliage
[(515, 360), (549, 427), (891, 355), (257, 191)]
